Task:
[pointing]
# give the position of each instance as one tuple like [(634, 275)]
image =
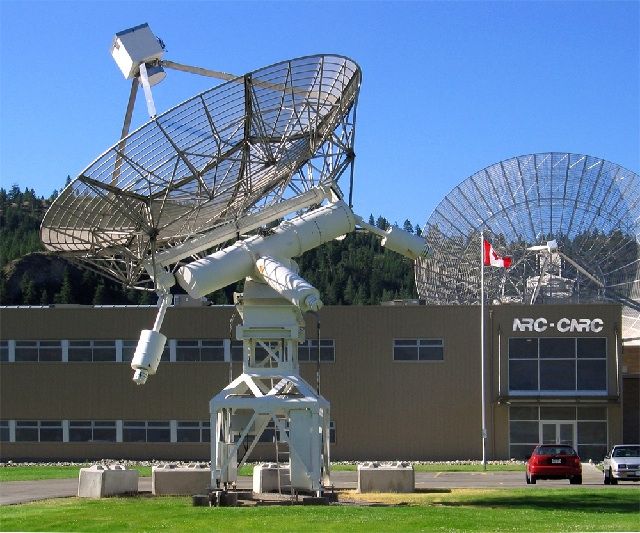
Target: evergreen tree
[(65, 295), (99, 296), (349, 291), (145, 298), (27, 287), (382, 223)]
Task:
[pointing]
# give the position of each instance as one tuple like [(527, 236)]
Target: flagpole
[(484, 427)]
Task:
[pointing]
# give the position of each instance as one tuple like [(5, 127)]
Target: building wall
[(382, 409), (553, 321)]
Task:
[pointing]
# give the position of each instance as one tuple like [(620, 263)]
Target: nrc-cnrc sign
[(564, 325)]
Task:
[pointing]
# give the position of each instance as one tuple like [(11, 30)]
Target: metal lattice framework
[(590, 206), (228, 152)]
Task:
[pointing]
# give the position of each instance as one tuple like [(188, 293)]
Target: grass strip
[(31, 472)]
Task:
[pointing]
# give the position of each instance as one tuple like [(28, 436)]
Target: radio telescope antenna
[(223, 160), (570, 222), (266, 147)]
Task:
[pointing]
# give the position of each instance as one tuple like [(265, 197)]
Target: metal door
[(556, 432)]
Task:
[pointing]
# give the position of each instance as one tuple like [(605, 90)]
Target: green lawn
[(576, 509), (28, 473)]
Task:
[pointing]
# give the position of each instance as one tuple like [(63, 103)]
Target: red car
[(554, 461)]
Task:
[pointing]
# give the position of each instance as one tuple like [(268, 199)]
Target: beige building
[(404, 381)]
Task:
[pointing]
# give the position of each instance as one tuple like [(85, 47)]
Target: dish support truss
[(270, 391)]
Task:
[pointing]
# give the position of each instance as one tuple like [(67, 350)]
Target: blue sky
[(448, 87)]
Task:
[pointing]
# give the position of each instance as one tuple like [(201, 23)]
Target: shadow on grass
[(589, 503)]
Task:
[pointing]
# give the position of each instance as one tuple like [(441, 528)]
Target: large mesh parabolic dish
[(590, 206), (228, 152)]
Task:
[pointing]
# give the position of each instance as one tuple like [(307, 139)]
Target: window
[(552, 365), (4, 351), (524, 428), (141, 431), (332, 432), (27, 431), (418, 350), (308, 351), (193, 431), (50, 431), (4, 431), (592, 432), (129, 348), (237, 351), (92, 431), (212, 350), (38, 351), (200, 350), (38, 431), (87, 351), (158, 432)]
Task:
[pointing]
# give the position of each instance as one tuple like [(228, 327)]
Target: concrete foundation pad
[(99, 481), (395, 477), (177, 481), (265, 478)]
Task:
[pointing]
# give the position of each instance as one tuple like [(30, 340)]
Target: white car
[(622, 464)]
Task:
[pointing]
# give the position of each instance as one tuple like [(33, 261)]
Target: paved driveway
[(13, 492)]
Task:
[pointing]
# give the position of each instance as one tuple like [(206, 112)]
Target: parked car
[(622, 464), (554, 461)]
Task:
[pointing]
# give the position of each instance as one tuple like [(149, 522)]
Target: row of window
[(116, 431), (585, 428), (565, 365), (220, 350)]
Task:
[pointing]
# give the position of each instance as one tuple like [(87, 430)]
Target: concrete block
[(170, 479), (99, 481), (265, 478), (395, 477)]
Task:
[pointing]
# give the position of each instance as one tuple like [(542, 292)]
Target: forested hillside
[(355, 270)]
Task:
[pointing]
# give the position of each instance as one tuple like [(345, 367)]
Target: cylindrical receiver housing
[(289, 284), (290, 239), (149, 351), (216, 270), (405, 243)]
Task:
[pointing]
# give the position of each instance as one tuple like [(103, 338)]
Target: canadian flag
[(491, 258)]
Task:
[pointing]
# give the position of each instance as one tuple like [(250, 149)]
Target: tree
[(407, 226), (14, 194), (145, 298), (349, 291), (65, 295), (99, 296), (382, 223), (27, 287)]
